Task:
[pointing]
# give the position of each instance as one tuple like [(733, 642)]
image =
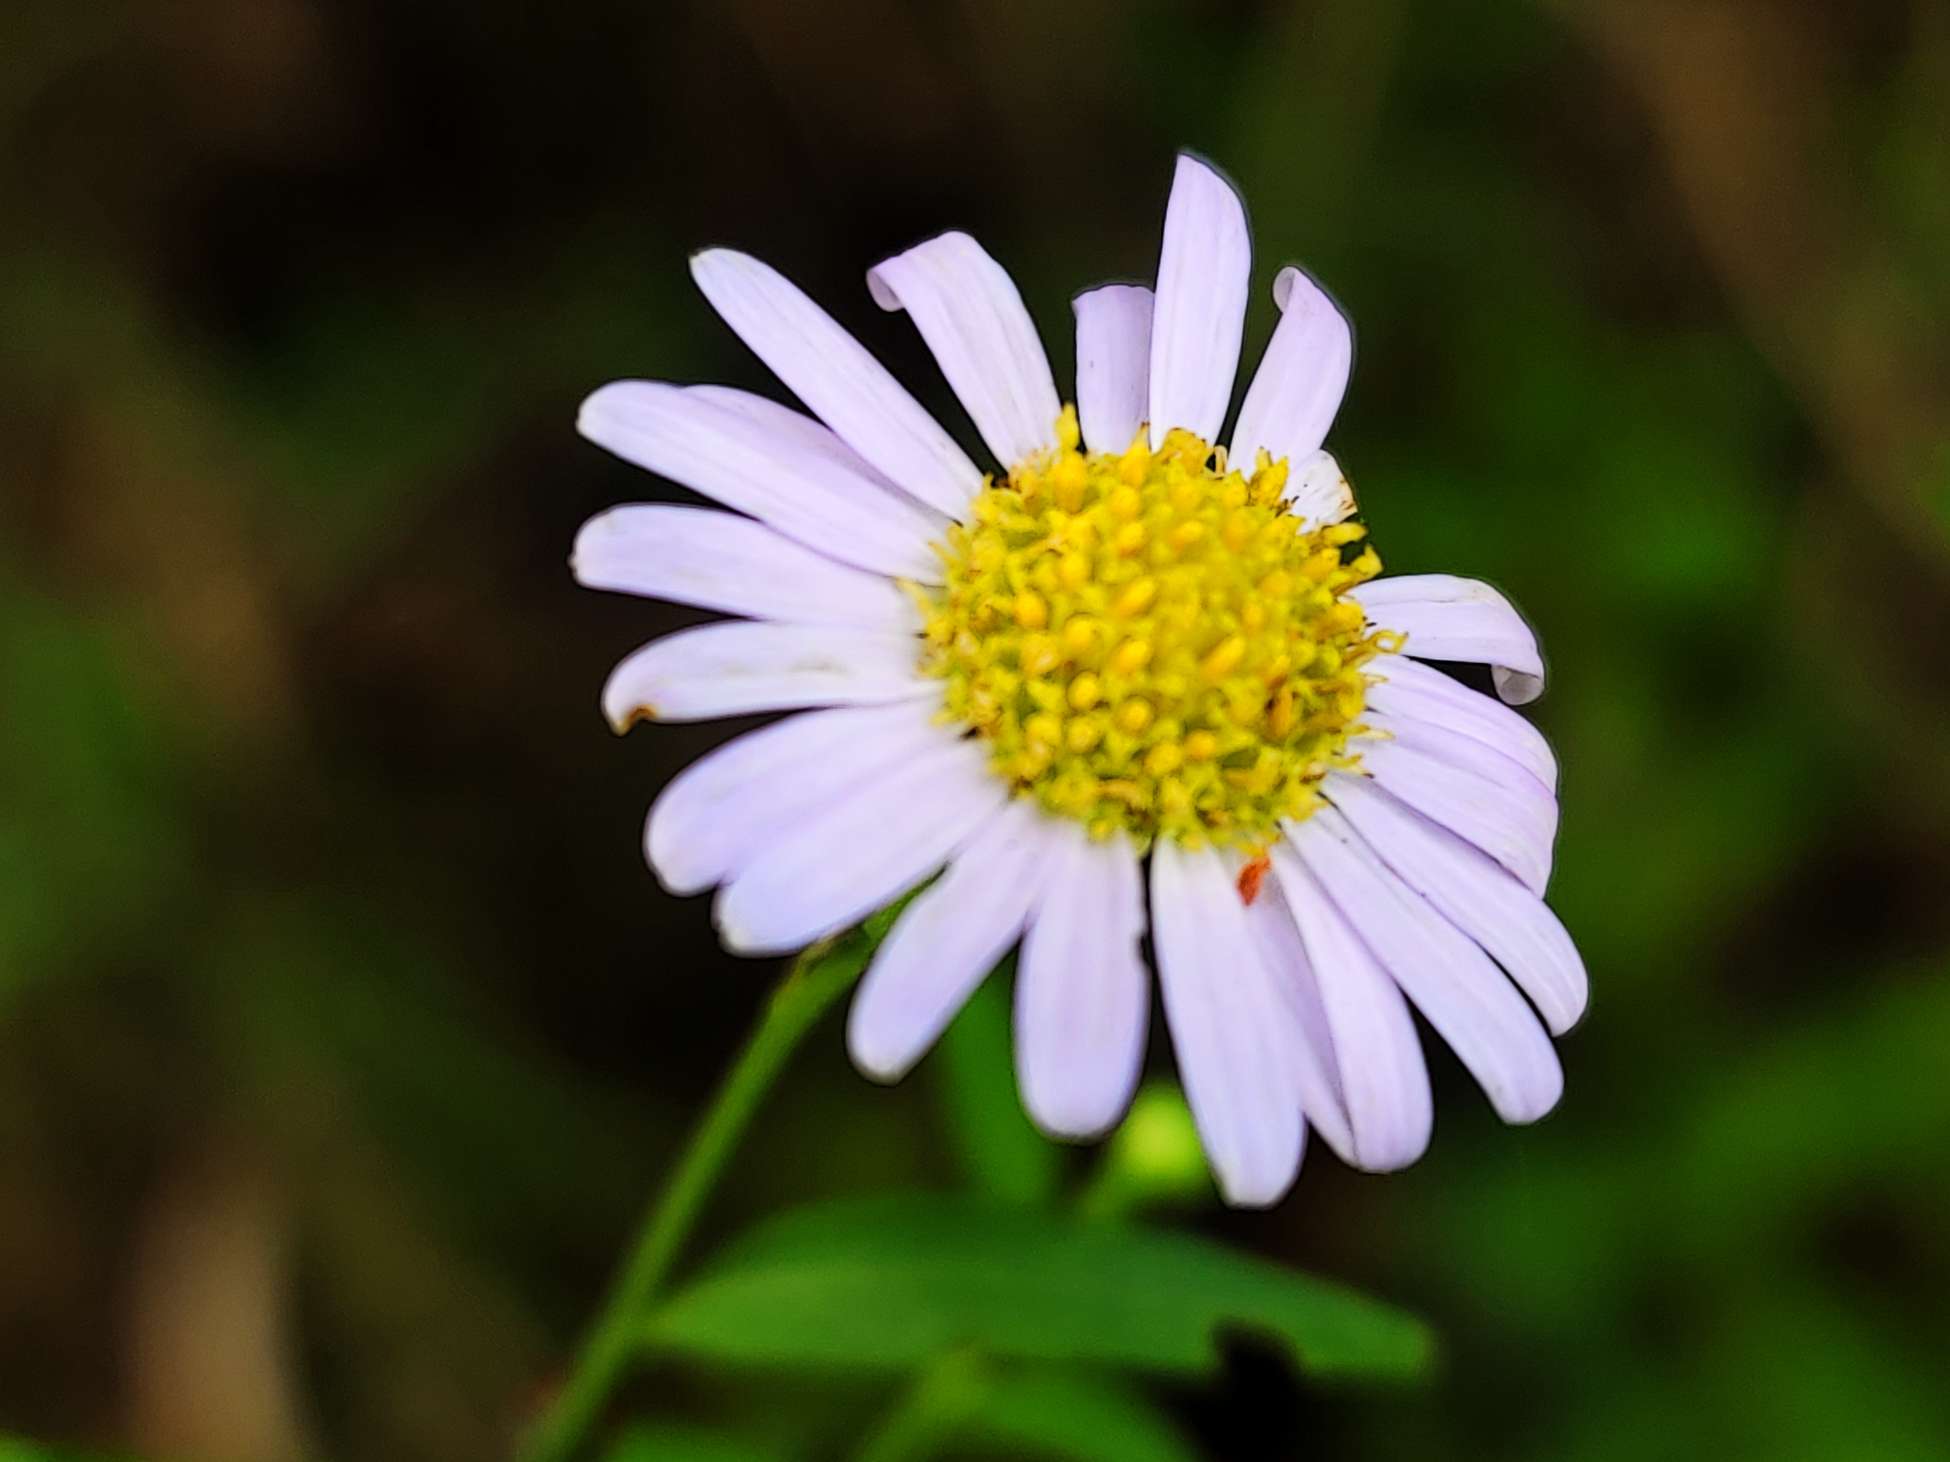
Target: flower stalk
[(815, 980)]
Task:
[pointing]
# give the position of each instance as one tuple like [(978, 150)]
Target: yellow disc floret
[(1153, 642)]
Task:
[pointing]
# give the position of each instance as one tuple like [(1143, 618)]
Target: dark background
[(342, 1032)]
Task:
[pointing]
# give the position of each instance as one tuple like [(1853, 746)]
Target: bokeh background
[(342, 1032)]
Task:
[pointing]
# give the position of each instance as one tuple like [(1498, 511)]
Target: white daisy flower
[(1128, 659)]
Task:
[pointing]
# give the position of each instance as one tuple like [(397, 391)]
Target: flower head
[(1152, 643), (1130, 659)]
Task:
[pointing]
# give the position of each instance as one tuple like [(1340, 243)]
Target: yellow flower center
[(1151, 641)]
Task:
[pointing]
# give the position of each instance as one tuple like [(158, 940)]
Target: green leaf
[(1002, 1154), (1086, 1418), (963, 1400), (890, 1283)]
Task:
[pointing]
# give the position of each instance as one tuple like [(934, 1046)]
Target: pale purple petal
[(1514, 831), (1203, 273), (1082, 995), (720, 812), (948, 940), (1317, 490), (1314, 1060), (1113, 364), (803, 432), (1451, 981), (1223, 1010), (1466, 753), (770, 462), (836, 377), (1384, 1081), (833, 868), (1300, 381), (972, 317), (721, 561), (1449, 618), (1410, 690), (737, 668), (1472, 892)]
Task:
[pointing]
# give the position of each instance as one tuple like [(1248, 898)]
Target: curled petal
[(972, 317), (1448, 618), (1301, 379)]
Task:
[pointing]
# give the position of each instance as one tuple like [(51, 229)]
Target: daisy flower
[(1130, 683)]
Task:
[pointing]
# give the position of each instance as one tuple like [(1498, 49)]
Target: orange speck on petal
[(1252, 876)]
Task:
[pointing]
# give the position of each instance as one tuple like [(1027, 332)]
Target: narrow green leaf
[(890, 1283), (1085, 1418), (1002, 1154)]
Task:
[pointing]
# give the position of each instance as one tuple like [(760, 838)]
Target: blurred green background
[(342, 1032)]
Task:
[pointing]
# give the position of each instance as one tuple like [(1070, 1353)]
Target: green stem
[(816, 979), (1108, 1196)]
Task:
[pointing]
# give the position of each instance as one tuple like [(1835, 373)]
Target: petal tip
[(712, 267), (1295, 289), (1064, 1119), (1521, 1109), (737, 936), (1256, 1190), (1516, 687), (588, 544), (666, 862), (873, 1055), (624, 716), (601, 406), (1193, 165), (883, 290), (1112, 289), (1392, 1155), (1564, 1019)]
